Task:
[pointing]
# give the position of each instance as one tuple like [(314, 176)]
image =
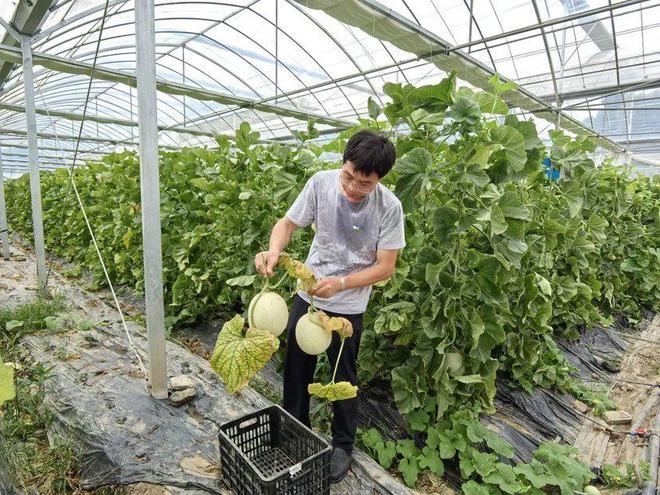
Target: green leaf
[(237, 357), (444, 223), (449, 442), (500, 86), (10, 325), (473, 488), (574, 198), (465, 109), (245, 137), (490, 103), (386, 454), (484, 462), (7, 391), (559, 138), (476, 175), (374, 108), (505, 477), (512, 207), (410, 470), (200, 183), (499, 445), (333, 391), (242, 281), (418, 420), (432, 273), (513, 144), (470, 379), (403, 386), (412, 170), (544, 285), (481, 155), (477, 329), (431, 461), (433, 98), (498, 223), (492, 335), (534, 475), (528, 129)]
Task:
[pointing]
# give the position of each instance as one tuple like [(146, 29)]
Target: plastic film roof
[(276, 63)]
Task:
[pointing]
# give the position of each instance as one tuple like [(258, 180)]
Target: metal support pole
[(150, 194), (4, 234), (33, 154)]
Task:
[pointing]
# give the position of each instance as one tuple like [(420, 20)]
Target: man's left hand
[(326, 287)]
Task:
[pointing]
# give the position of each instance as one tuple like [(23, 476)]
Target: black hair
[(370, 152)]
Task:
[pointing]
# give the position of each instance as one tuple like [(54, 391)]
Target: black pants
[(299, 372)]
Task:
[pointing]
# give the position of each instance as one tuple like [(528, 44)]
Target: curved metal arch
[(239, 9), (473, 18), (331, 81), (234, 111), (82, 57), (81, 15), (257, 44), (45, 73), (55, 120), (225, 47), (302, 48), (348, 55), (109, 28)]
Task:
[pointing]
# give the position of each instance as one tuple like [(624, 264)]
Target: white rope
[(91, 233)]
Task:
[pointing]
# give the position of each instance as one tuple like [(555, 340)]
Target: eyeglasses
[(354, 184)]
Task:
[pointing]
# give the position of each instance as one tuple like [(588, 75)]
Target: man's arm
[(266, 261), (383, 269)]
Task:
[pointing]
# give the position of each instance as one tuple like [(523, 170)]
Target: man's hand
[(266, 261), (326, 287)]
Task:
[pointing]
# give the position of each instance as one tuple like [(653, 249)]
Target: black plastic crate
[(269, 452)]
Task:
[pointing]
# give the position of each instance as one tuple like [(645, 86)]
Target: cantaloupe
[(268, 311), (311, 335)]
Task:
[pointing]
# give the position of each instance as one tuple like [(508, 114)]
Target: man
[(359, 230)]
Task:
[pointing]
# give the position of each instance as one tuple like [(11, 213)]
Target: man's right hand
[(266, 261)]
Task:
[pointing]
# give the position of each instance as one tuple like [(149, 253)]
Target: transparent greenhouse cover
[(276, 63)]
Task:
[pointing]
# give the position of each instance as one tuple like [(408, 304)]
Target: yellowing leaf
[(7, 391), (333, 391), (306, 278), (337, 324), (237, 357)]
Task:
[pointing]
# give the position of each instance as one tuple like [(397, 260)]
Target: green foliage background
[(499, 261)]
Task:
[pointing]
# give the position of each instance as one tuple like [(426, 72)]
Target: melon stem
[(341, 348)]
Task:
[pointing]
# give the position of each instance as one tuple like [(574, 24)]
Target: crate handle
[(247, 424), (296, 468)]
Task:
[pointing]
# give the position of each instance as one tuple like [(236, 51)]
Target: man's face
[(355, 185)]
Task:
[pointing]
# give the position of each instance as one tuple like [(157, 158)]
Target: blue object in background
[(550, 172)]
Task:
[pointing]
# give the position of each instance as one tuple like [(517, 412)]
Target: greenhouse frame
[(84, 79)]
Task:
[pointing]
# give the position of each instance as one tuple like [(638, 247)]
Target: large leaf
[(574, 198), (513, 144), (333, 391), (404, 387), (465, 109), (237, 357), (512, 207), (430, 459), (412, 170), (7, 391), (491, 103), (498, 223), (444, 223), (433, 98)]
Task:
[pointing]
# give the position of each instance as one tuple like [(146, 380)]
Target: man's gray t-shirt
[(347, 234)]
